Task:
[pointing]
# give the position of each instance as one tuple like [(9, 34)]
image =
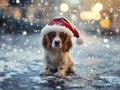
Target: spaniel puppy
[(56, 40), (57, 45)]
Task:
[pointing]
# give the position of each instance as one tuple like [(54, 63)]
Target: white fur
[(57, 38), (56, 28)]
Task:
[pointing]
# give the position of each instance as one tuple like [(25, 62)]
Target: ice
[(91, 59), (113, 80), (7, 76), (38, 79), (12, 66)]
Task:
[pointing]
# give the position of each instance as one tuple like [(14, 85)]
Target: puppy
[(57, 57)]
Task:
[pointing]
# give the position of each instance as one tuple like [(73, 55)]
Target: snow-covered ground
[(96, 60)]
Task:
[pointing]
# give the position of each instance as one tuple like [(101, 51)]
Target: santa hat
[(61, 24)]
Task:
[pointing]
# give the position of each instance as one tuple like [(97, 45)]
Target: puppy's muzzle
[(57, 43)]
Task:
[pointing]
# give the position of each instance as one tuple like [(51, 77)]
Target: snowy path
[(97, 60)]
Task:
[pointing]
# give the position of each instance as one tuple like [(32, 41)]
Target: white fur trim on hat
[(79, 41), (56, 28)]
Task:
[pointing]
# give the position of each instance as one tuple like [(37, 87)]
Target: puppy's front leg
[(47, 69), (62, 69)]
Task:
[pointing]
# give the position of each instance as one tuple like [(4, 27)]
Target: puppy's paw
[(60, 74), (71, 69), (47, 72)]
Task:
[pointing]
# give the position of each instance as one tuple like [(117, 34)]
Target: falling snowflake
[(17, 1), (24, 33)]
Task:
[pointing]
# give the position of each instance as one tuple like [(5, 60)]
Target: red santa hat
[(61, 24)]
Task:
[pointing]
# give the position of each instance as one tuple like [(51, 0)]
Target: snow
[(22, 57), (105, 40), (37, 79), (17, 1), (7, 76), (24, 32), (113, 80)]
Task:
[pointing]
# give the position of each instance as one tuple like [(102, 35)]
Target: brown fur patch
[(52, 35), (46, 42), (67, 44)]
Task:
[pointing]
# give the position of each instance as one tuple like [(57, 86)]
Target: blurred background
[(101, 17)]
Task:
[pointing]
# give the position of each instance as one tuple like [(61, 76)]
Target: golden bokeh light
[(97, 7), (64, 7), (17, 14), (94, 14), (105, 23), (88, 15), (3, 3), (31, 18)]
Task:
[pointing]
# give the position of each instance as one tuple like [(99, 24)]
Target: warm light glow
[(88, 15), (64, 7), (97, 7), (94, 14), (31, 17), (3, 3), (97, 16), (105, 23), (4, 24), (17, 14)]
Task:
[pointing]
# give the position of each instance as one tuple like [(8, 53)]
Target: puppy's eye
[(52, 34), (62, 35)]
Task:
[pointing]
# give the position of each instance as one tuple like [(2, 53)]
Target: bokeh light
[(88, 15), (64, 7), (94, 14), (105, 23), (3, 3), (73, 17), (24, 32), (17, 1), (17, 14), (97, 7)]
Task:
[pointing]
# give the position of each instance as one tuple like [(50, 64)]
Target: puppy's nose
[(57, 43)]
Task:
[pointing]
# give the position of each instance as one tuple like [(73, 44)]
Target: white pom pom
[(79, 41)]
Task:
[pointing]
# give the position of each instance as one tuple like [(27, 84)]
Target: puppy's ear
[(46, 42), (67, 44)]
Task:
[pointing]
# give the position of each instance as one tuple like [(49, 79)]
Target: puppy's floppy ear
[(46, 42), (67, 44)]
